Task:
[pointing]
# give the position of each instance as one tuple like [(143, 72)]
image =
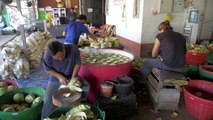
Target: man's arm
[(64, 34), (53, 73), (156, 48), (93, 37), (65, 31), (61, 78), (85, 30), (76, 70)]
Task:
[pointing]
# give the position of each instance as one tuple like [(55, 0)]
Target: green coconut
[(30, 98), (3, 84), (18, 97), (36, 101), (11, 88), (2, 91)]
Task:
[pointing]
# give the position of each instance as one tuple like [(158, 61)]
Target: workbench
[(5, 39)]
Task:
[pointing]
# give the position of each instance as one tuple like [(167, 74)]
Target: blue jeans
[(149, 64), (52, 86)]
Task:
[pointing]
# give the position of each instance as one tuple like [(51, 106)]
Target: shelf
[(58, 12)]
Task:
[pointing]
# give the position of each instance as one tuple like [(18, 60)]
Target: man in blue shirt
[(74, 29), (61, 62)]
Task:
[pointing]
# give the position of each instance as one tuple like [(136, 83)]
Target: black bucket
[(123, 85)]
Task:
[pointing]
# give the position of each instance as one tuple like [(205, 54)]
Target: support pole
[(21, 29), (202, 18)]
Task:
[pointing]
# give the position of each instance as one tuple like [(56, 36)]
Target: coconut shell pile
[(107, 42), (15, 63)]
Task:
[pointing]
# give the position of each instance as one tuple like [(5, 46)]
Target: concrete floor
[(145, 110)]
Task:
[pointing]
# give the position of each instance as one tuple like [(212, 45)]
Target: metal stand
[(21, 28)]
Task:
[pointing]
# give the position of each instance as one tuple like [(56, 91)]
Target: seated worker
[(74, 29), (62, 62), (171, 46)]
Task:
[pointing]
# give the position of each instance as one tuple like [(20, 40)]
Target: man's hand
[(63, 80), (93, 37)]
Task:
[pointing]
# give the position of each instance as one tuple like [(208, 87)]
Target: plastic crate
[(199, 108), (114, 109), (195, 58), (33, 113), (206, 72)]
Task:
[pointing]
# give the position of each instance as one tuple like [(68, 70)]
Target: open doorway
[(94, 10)]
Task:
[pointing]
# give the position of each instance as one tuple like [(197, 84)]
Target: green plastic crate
[(63, 110), (33, 113)]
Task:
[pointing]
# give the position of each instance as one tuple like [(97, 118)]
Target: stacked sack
[(48, 38), (10, 53), (6, 70), (15, 62), (36, 46), (21, 67)]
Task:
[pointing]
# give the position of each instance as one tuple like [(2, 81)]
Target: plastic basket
[(63, 110), (58, 112), (114, 109), (199, 108), (33, 113), (191, 71), (10, 82), (195, 58), (210, 58), (206, 72)]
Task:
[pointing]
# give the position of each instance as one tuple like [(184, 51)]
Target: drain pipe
[(202, 18)]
